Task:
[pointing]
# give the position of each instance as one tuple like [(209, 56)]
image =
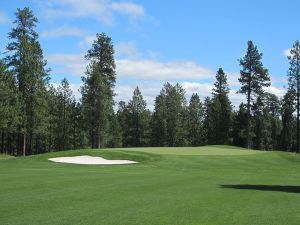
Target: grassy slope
[(161, 190), (205, 150), (3, 156)]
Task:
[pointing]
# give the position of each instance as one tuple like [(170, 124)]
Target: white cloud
[(126, 50), (128, 8), (150, 77), (287, 52), (279, 92), (233, 79), (140, 69), (153, 69), (3, 18), (62, 31), (73, 64), (101, 10), (149, 91), (205, 90), (87, 42)]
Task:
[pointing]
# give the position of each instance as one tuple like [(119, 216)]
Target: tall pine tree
[(138, 119), (288, 121), (253, 78), (26, 61), (97, 91), (196, 130), (294, 82), (222, 109), (9, 106)]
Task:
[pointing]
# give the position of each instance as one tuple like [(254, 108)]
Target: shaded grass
[(3, 156), (162, 189)]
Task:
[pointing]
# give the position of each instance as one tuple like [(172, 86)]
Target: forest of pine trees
[(36, 117)]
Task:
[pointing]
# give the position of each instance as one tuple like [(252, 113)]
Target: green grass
[(3, 156), (206, 150), (174, 186)]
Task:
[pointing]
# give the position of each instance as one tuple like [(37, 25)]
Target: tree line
[(36, 117)]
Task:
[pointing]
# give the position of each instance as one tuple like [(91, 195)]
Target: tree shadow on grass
[(280, 188)]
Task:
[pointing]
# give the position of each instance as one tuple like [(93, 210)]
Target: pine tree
[(65, 103), (26, 61), (262, 124), (212, 120), (273, 109), (253, 78), (239, 126), (115, 132), (158, 122), (196, 130), (169, 119), (97, 91), (222, 109), (9, 105), (294, 82), (138, 120), (175, 109), (122, 116), (288, 120)]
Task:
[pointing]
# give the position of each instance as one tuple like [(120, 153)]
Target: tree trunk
[(8, 143), (298, 115), (248, 119), (99, 140), (24, 144), (2, 142), (30, 144), (50, 138), (36, 144)]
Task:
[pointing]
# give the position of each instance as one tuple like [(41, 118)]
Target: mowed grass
[(190, 188), (205, 150)]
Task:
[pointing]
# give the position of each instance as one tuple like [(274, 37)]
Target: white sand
[(90, 160)]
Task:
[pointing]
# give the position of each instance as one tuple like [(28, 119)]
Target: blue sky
[(159, 41)]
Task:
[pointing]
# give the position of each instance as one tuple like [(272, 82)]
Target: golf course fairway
[(209, 185)]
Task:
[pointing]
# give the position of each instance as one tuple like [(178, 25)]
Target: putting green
[(204, 150)]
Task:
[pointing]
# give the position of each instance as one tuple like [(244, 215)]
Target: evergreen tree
[(221, 108), (261, 123), (212, 119), (26, 61), (294, 82), (138, 119), (65, 104), (175, 109), (239, 126), (9, 105), (273, 109), (158, 122), (97, 91), (169, 120), (288, 120), (53, 118), (195, 129), (79, 138), (114, 132), (253, 78), (122, 116)]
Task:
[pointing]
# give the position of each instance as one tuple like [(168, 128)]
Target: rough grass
[(3, 156), (166, 189)]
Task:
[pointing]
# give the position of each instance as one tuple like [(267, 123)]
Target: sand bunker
[(90, 160)]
